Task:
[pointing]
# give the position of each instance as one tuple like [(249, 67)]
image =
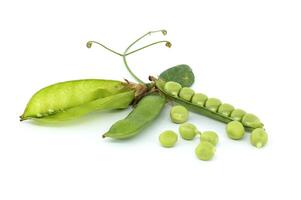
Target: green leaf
[(181, 73)]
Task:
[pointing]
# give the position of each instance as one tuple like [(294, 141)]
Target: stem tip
[(89, 44), (168, 44)]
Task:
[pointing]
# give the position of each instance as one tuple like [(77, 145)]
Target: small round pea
[(186, 93), (225, 109), (172, 88), (205, 151), (259, 137), (251, 120), (209, 136), (179, 114), (168, 138), (213, 104), (235, 130), (188, 131), (237, 114), (199, 99)]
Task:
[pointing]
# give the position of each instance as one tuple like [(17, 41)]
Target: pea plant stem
[(126, 52)]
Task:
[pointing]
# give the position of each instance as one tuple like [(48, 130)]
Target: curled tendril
[(168, 44), (89, 44), (126, 52)]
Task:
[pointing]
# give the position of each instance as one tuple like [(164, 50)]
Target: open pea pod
[(250, 121), (72, 99)]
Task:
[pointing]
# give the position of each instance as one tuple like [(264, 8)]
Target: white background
[(243, 52)]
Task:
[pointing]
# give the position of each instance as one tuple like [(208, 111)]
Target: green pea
[(251, 120), (237, 114), (179, 114), (186, 93), (172, 88), (225, 109), (188, 131), (213, 104), (168, 138), (209, 136), (235, 130), (199, 99), (205, 151), (259, 137)]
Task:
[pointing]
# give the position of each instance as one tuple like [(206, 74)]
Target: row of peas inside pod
[(237, 119)]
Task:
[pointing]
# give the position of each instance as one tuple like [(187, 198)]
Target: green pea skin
[(209, 136), (258, 138), (235, 130), (168, 138), (199, 99), (225, 109), (213, 104), (172, 88), (179, 114), (188, 131), (237, 114), (251, 120), (186, 93), (205, 151)]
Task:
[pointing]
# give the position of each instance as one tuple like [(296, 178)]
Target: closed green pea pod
[(71, 99), (147, 110), (225, 109), (213, 104), (186, 93), (199, 99), (237, 114)]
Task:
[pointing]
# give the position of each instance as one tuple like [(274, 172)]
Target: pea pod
[(210, 110), (148, 108), (71, 99)]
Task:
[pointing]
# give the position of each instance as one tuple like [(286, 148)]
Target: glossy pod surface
[(71, 99), (213, 108), (147, 110)]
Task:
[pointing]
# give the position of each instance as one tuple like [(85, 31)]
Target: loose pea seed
[(209, 136), (237, 114), (172, 88), (259, 137), (168, 138), (179, 114), (199, 99), (252, 121), (225, 109), (235, 130), (188, 131), (186, 93), (205, 151), (213, 104)]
